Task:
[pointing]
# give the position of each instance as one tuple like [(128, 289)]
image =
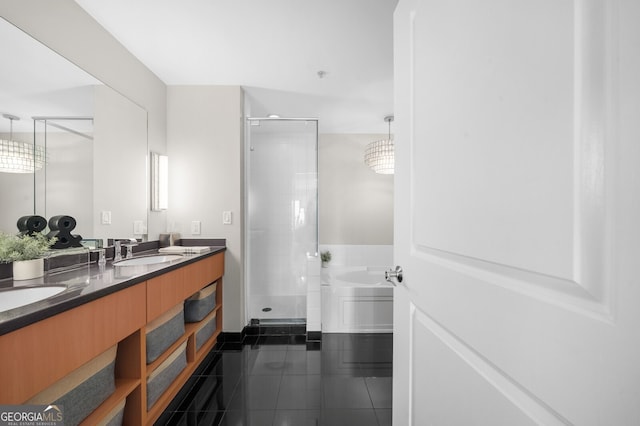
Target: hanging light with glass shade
[(20, 157), (379, 155)]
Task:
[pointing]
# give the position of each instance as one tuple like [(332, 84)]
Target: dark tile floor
[(277, 380)]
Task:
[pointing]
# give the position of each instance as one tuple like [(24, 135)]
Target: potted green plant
[(26, 252), (325, 258)]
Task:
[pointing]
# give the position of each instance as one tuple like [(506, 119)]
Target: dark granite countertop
[(84, 284)]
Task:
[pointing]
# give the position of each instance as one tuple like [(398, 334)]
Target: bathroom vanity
[(43, 343)]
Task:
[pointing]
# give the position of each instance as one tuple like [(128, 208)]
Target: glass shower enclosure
[(281, 178)]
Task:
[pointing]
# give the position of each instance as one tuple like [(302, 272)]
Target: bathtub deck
[(364, 305)]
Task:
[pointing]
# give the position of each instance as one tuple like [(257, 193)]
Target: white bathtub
[(356, 300)]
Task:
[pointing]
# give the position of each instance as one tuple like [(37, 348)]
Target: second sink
[(148, 260)]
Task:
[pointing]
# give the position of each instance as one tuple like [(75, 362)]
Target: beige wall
[(205, 139), (355, 204)]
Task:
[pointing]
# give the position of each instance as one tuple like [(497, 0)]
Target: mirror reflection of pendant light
[(20, 157), (379, 155)]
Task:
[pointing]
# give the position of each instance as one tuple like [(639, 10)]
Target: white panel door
[(517, 212)]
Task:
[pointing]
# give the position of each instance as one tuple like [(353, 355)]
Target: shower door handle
[(391, 274)]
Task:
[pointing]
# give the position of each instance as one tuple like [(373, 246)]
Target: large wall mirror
[(92, 142)]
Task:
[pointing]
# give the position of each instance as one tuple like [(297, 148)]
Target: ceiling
[(274, 49)]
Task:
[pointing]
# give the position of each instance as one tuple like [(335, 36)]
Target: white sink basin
[(21, 296), (148, 260)]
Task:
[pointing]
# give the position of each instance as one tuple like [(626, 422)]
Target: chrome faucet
[(102, 258), (117, 251), (128, 250)]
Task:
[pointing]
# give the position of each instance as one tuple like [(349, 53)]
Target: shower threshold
[(279, 321)]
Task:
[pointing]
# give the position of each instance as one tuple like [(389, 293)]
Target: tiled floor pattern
[(276, 380)]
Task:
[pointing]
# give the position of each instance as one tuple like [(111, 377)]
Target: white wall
[(356, 204), (205, 139)]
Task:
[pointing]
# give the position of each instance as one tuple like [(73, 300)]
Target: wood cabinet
[(36, 356)]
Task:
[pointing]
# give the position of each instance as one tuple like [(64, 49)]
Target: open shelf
[(124, 388), (193, 361)]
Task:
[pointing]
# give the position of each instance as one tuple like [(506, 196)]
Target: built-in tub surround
[(356, 299)]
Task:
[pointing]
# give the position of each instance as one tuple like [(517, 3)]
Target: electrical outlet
[(105, 217), (226, 218), (195, 227)]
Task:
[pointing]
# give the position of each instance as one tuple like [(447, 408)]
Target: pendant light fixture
[(19, 157), (379, 155)]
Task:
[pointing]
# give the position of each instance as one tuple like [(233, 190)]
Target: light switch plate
[(195, 227), (105, 217), (138, 227), (227, 218)]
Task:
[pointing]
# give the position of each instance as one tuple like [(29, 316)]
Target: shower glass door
[(282, 217)]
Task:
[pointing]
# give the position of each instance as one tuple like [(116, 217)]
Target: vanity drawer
[(164, 292), (167, 290), (203, 273)]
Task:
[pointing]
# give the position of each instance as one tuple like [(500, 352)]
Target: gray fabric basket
[(165, 374), (163, 332), (84, 389), (205, 331), (200, 304), (88, 396)]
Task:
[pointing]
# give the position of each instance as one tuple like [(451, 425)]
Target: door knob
[(391, 273)]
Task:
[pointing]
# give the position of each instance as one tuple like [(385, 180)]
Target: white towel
[(183, 249)]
